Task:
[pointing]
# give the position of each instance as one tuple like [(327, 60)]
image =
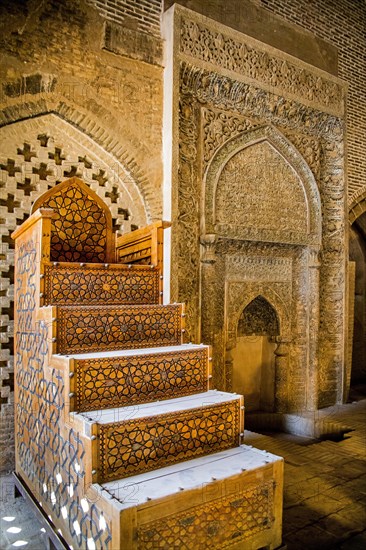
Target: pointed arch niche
[(258, 187), (260, 236), (253, 356)]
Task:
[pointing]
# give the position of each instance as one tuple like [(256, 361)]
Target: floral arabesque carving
[(295, 182), (219, 126), (187, 229), (214, 47), (241, 294), (223, 92), (258, 318)]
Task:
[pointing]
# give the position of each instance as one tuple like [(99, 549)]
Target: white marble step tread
[(167, 406), (132, 352), (197, 473)]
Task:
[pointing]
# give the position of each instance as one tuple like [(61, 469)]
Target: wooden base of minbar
[(121, 440), (231, 500)]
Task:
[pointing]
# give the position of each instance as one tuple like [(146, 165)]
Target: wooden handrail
[(143, 246)]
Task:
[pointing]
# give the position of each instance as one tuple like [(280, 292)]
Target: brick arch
[(47, 134), (121, 147), (357, 206)]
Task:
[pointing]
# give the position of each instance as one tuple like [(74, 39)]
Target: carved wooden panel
[(84, 329), (119, 381), (214, 525), (135, 446), (49, 457), (92, 284), (81, 226)]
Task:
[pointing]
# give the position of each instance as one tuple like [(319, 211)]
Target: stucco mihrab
[(220, 104)]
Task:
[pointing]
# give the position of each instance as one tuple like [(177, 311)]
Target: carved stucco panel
[(259, 190), (333, 273), (211, 43), (258, 318), (222, 92), (240, 294), (185, 249), (269, 268), (219, 126), (254, 176)]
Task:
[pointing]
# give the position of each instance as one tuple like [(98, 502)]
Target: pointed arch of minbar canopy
[(81, 228)]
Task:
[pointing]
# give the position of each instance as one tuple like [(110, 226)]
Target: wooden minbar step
[(99, 284), (110, 379), (137, 439), (83, 329), (231, 499)]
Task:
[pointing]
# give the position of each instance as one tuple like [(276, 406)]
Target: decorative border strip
[(212, 43)]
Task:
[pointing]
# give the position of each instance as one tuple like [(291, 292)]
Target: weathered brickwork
[(142, 15), (342, 23)]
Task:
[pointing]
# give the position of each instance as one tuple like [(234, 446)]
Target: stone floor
[(325, 483), (324, 495)]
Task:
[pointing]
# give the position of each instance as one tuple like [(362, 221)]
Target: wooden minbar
[(121, 443)]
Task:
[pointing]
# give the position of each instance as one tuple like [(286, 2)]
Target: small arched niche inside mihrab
[(253, 355), (259, 192)]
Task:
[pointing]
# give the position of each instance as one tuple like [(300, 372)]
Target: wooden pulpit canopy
[(81, 228)]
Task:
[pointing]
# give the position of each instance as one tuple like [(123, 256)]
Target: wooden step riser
[(122, 381), (98, 328), (136, 446), (93, 284)]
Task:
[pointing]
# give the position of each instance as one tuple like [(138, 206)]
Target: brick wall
[(342, 23), (142, 15)]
